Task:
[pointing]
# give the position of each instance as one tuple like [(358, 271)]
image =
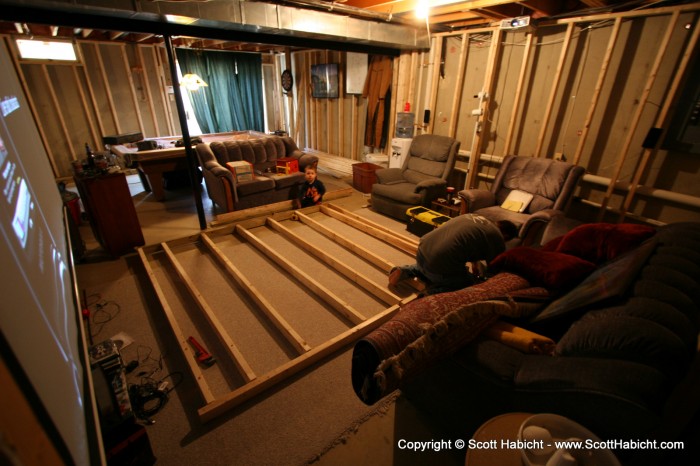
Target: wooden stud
[(662, 118), (597, 90), (163, 89), (377, 290), (634, 122), (147, 89), (241, 364), (347, 243), (96, 141), (459, 87), (343, 308), (482, 122), (285, 371), (437, 62), (391, 239), (268, 309), (108, 90), (132, 87), (554, 88), (57, 108), (175, 327), (91, 93), (518, 94)]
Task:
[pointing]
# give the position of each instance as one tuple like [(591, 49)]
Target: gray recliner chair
[(421, 179), (550, 183)]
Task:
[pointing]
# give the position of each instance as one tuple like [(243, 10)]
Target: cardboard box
[(287, 165), (242, 171)]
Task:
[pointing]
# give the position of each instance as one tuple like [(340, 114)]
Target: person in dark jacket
[(443, 254)]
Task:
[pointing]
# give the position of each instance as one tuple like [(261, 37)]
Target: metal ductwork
[(331, 26)]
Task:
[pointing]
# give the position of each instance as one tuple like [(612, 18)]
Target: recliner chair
[(551, 183), (421, 179)]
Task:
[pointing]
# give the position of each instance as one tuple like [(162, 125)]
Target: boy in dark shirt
[(312, 190)]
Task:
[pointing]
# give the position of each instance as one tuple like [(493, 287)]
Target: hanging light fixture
[(192, 82)]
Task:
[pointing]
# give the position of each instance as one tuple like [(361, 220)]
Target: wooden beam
[(390, 238), (132, 88), (554, 88), (96, 140), (518, 94), (285, 371), (597, 90), (147, 88), (57, 108), (342, 307), (437, 63), (185, 347), (459, 86), (241, 364), (347, 243), (268, 309), (482, 125), (107, 89), (339, 266), (662, 119)]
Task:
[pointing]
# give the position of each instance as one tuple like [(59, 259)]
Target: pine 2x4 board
[(257, 294)]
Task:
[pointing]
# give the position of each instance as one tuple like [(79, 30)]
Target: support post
[(189, 153)]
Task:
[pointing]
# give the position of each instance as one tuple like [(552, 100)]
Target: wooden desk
[(154, 163)]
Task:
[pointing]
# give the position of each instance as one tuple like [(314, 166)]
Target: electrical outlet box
[(560, 156)]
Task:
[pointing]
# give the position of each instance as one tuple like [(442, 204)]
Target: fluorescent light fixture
[(46, 50), (180, 19)]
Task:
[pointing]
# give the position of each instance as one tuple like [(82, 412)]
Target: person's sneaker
[(396, 275)]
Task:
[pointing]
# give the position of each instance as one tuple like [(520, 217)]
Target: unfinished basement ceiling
[(374, 26)]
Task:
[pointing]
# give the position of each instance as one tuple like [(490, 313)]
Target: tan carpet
[(294, 423)]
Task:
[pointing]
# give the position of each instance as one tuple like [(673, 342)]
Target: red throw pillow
[(602, 242), (550, 269)]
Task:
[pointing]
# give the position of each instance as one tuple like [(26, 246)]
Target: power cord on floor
[(151, 395)]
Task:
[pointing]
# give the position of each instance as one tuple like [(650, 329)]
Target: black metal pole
[(189, 152)]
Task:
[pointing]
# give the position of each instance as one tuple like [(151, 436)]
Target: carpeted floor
[(314, 417)]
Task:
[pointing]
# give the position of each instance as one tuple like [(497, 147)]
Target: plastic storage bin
[(364, 176)]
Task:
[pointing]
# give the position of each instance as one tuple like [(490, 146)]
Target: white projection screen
[(39, 314)]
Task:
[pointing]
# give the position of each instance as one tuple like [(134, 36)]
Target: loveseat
[(618, 303), (262, 153)]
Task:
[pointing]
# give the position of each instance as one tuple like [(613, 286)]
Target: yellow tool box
[(422, 220)]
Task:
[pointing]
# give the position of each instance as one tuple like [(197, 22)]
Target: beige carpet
[(309, 418)]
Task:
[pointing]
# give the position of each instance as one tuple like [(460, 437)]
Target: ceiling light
[(192, 82), (422, 9)]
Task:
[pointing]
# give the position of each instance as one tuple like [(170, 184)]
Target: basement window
[(46, 50)]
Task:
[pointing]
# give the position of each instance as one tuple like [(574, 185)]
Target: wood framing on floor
[(271, 295)]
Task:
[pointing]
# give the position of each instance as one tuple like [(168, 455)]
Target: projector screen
[(39, 317)]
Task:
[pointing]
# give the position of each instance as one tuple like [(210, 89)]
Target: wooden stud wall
[(251, 384)]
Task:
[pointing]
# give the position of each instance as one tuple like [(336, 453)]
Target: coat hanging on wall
[(377, 88)]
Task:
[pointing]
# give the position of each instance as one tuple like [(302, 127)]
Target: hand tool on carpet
[(202, 355)]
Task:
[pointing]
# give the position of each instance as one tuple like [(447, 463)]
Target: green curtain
[(233, 99)]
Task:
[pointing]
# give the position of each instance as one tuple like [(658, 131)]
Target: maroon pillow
[(602, 242), (550, 269)]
